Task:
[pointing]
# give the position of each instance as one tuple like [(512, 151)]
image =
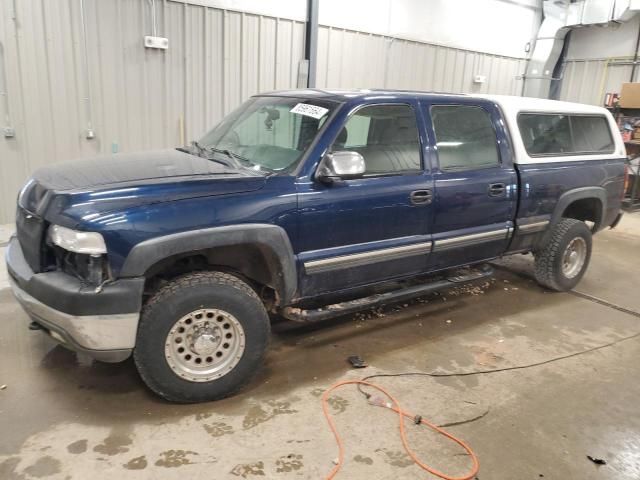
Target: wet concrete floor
[(64, 417)]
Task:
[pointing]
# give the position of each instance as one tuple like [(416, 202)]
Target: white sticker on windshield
[(309, 110)]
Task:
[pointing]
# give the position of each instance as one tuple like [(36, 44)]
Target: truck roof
[(506, 102)]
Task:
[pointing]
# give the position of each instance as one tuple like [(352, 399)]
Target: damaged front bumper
[(101, 324)]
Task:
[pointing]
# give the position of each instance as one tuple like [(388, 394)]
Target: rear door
[(475, 182)]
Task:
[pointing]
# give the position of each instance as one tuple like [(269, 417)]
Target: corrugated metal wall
[(136, 98), (350, 59), (140, 97), (587, 81)]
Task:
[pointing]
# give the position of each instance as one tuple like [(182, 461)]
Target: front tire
[(564, 259), (201, 337)]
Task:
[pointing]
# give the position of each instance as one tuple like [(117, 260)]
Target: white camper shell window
[(554, 134)]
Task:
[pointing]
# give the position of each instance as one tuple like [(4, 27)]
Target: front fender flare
[(272, 240)]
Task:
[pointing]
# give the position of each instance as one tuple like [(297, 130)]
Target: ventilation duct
[(560, 16)]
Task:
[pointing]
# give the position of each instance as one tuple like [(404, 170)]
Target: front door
[(366, 230), (475, 183)]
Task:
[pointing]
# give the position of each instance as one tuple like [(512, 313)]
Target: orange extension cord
[(395, 406)]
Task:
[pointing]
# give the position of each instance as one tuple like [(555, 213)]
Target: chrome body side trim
[(472, 239), (533, 227), (89, 332), (364, 258)]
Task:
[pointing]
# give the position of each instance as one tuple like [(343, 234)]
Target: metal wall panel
[(349, 59), (140, 98), (135, 98), (587, 81)]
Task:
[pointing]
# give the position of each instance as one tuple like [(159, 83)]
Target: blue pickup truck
[(304, 204)]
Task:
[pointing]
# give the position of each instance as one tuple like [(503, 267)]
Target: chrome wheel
[(574, 257), (204, 345)]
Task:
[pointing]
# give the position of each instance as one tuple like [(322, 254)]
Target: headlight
[(90, 243)]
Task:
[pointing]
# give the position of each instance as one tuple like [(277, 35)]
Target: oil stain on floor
[(114, 444), (174, 458), (77, 447), (8, 468), (363, 459), (289, 463), (218, 429), (44, 467), (259, 414), (395, 458), (248, 469), (137, 463)]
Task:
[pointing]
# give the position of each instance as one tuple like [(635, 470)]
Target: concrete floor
[(63, 417)]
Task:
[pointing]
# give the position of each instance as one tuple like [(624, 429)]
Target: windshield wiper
[(236, 160), (203, 151), (233, 156), (198, 147)]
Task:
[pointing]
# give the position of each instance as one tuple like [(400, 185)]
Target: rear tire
[(201, 337), (564, 259)]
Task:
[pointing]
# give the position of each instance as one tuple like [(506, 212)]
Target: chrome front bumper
[(109, 338), (101, 324)]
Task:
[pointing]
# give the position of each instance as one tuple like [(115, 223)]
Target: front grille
[(30, 231)]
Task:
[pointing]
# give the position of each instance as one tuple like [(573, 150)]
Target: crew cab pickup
[(304, 204)]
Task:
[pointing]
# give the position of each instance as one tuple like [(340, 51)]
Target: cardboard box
[(630, 95)]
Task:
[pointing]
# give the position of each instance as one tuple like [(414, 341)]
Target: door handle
[(421, 197), (496, 189)]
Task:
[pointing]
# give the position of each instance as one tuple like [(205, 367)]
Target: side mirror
[(340, 166)]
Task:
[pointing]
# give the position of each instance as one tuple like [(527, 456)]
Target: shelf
[(632, 109)]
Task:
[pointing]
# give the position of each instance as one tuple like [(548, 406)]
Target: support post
[(311, 41)]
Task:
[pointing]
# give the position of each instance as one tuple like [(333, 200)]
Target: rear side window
[(591, 134), (386, 136), (465, 137), (558, 134)]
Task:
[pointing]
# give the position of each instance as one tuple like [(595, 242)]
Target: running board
[(338, 309)]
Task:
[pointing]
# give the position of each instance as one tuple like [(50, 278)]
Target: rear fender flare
[(570, 196)]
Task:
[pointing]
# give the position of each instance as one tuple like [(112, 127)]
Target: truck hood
[(124, 169), (115, 182)]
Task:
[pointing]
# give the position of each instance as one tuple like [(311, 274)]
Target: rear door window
[(564, 134), (465, 137)]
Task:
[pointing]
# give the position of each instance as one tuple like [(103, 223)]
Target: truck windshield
[(268, 133)]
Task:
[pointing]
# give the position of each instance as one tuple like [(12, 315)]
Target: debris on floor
[(597, 461), (376, 312), (357, 362)]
